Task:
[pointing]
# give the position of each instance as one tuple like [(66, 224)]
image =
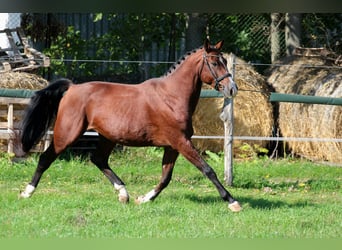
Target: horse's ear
[(219, 45), (206, 45)]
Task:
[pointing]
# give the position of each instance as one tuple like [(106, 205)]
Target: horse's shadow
[(255, 203)]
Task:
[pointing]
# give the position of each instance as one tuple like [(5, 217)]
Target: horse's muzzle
[(231, 90)]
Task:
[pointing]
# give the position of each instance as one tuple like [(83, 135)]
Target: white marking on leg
[(27, 193), (123, 194), (146, 198), (149, 195)]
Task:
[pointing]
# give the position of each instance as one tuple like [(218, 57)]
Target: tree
[(292, 32), (322, 30), (127, 37), (195, 31), (275, 33)]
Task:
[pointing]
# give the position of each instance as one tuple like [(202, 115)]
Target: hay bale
[(21, 80), (253, 114), (310, 120)]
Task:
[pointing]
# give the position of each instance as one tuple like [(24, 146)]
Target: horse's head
[(215, 71)]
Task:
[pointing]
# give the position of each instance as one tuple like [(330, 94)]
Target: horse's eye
[(214, 64)]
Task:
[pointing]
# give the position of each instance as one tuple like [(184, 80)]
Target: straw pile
[(253, 114), (310, 120), (21, 80)]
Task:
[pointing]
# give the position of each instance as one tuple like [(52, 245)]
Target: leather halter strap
[(217, 79)]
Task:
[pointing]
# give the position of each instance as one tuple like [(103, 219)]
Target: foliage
[(250, 151), (128, 37), (323, 30), (132, 36), (71, 47), (244, 35), (138, 33)]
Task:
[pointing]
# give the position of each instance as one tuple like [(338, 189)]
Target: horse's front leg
[(187, 149), (169, 159)]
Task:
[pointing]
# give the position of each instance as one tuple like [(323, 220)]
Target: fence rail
[(278, 97), (11, 97)]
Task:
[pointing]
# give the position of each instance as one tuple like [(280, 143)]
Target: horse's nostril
[(233, 91)]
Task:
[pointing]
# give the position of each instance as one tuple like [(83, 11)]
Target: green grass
[(281, 199)]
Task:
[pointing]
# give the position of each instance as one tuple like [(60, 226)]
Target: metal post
[(227, 116)]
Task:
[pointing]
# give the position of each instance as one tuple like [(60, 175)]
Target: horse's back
[(129, 114)]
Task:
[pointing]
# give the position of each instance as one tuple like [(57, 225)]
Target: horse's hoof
[(139, 200), (123, 199), (24, 195), (235, 207), (27, 193)]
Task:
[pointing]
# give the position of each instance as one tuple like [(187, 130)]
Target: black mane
[(180, 60)]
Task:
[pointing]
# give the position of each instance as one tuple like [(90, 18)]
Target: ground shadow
[(256, 203)]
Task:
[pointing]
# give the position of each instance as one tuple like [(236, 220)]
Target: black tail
[(41, 112)]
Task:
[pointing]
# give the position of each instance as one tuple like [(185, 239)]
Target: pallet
[(20, 56), (11, 113)]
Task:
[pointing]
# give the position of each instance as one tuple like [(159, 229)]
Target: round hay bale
[(253, 114), (310, 76)]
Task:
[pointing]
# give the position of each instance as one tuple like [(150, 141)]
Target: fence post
[(10, 127), (227, 116)]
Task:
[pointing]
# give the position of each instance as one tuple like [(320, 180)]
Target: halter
[(217, 79)]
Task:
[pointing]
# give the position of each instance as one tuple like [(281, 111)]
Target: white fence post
[(227, 116)]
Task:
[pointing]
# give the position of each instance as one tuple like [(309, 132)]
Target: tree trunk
[(275, 41), (292, 32), (195, 31), (172, 43)]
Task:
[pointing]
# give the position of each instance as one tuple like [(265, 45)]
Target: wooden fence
[(11, 110), (12, 105), (13, 101)]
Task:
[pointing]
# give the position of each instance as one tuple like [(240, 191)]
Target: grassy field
[(281, 199)]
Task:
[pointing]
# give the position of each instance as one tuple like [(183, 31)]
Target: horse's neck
[(184, 83)]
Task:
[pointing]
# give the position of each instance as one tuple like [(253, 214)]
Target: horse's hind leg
[(187, 149), (100, 159), (66, 131), (169, 159), (44, 163)]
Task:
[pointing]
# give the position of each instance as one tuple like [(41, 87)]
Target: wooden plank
[(4, 134), (12, 42), (16, 113), (6, 67), (10, 128), (8, 100), (3, 125)]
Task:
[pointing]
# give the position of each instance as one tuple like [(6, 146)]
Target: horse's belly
[(125, 134)]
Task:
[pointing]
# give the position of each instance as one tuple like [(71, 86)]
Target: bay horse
[(156, 112)]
